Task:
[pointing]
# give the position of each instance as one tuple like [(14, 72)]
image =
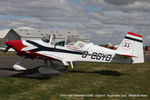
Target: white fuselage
[(88, 53)]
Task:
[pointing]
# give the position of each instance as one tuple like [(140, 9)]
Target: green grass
[(10, 53), (87, 78)]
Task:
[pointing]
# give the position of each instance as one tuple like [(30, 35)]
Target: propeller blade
[(8, 47)]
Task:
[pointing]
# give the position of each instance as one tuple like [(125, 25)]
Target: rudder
[(132, 45)]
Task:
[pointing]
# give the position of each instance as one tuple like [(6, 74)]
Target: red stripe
[(134, 34), (130, 56)]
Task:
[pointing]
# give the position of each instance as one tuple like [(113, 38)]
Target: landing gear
[(48, 68), (17, 66)]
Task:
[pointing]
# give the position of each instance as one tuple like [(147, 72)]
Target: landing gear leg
[(48, 68), (17, 66)]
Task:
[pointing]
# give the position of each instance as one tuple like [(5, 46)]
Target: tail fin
[(132, 45)]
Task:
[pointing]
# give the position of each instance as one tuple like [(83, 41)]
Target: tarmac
[(6, 63), (6, 69)]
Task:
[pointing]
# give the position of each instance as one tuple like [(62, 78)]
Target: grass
[(10, 53), (86, 78)]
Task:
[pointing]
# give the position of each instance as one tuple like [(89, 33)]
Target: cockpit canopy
[(70, 40), (60, 43)]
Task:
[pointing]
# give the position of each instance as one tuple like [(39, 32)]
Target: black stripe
[(137, 40), (42, 48)]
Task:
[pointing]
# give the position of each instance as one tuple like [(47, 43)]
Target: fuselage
[(86, 53)]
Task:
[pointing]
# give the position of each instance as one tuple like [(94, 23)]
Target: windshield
[(49, 38), (45, 39), (53, 40)]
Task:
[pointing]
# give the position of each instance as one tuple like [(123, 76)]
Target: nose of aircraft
[(15, 44), (9, 43)]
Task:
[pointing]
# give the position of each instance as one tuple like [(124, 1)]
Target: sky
[(105, 21)]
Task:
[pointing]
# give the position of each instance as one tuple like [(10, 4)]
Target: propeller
[(8, 47)]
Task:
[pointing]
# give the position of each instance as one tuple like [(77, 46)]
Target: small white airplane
[(73, 49)]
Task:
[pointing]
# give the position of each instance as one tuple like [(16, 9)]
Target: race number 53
[(127, 44)]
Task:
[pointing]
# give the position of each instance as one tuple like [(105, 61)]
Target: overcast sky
[(104, 20)]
